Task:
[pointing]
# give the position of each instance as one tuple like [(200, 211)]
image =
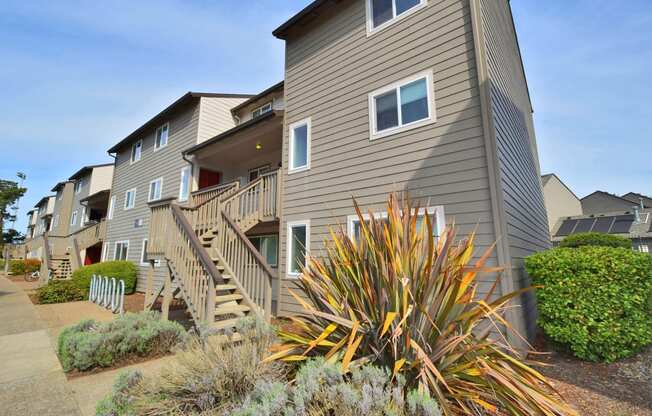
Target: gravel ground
[(623, 388)]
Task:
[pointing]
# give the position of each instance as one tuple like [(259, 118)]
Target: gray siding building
[(462, 142), (149, 167)]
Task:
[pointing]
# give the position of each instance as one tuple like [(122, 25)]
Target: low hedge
[(595, 239), (18, 267), (121, 270), (60, 291), (91, 344), (597, 301)]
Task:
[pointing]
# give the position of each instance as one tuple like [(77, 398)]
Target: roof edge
[(258, 96)]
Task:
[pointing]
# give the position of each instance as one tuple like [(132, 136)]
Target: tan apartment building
[(560, 201), (149, 167), (421, 97)]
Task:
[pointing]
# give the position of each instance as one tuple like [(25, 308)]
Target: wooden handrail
[(196, 245), (259, 259), (220, 189)]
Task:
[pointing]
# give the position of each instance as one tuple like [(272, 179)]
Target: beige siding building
[(561, 202)]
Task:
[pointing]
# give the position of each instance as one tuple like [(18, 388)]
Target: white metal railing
[(108, 293)]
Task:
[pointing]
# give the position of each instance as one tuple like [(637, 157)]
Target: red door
[(208, 178)]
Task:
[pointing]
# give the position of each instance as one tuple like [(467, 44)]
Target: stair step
[(227, 323), (228, 298), (232, 309), (221, 288)]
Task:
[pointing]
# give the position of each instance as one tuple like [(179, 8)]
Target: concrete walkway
[(32, 381)]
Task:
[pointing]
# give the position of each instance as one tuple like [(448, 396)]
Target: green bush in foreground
[(121, 270), (90, 344), (217, 379), (595, 300), (18, 267), (595, 239), (60, 291)]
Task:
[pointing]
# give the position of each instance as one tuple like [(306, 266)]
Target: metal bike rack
[(108, 293)]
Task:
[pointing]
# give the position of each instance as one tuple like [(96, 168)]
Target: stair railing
[(203, 195), (249, 271), (90, 235), (255, 202), (204, 215)]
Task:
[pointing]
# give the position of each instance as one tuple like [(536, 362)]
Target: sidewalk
[(32, 381)]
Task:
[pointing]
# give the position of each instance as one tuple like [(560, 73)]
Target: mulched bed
[(623, 388)]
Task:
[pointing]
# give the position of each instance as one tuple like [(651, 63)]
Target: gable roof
[(636, 199), (546, 178), (308, 13), (85, 170), (58, 186), (43, 200), (275, 87), (185, 99), (616, 197)]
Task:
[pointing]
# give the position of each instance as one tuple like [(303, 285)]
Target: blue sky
[(77, 76)]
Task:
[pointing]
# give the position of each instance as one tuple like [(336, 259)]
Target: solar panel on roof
[(584, 225), (602, 224), (622, 224), (566, 228)]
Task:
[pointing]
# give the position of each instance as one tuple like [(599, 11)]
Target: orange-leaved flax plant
[(396, 295)]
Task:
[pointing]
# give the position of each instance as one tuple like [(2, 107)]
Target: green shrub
[(90, 344), (60, 291), (18, 267), (217, 379), (595, 300), (121, 270), (2, 264), (595, 239)]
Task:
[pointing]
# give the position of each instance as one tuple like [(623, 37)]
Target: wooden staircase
[(213, 265), (60, 267)]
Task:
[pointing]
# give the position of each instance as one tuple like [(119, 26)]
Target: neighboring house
[(638, 199), (149, 168), (62, 208), (31, 224), (635, 224), (45, 210), (560, 200), (600, 202), (424, 98)]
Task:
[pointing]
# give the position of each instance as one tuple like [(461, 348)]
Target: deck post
[(149, 290), (167, 296)]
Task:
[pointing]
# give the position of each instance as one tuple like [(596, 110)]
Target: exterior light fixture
[(259, 146)]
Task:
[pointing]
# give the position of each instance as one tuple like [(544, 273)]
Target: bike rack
[(108, 293)]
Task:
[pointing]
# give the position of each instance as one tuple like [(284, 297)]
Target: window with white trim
[(382, 13), (161, 139), (136, 151), (73, 218), (56, 220), (184, 185), (644, 248), (105, 251), (436, 214), (111, 208), (263, 109), (78, 186), (300, 145), (267, 246), (155, 190), (298, 246), (82, 218), (130, 199), (121, 250), (144, 261), (401, 106)]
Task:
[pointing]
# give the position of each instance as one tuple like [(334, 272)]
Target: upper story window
[(136, 151), (73, 218), (162, 136), (130, 198), (300, 146), (184, 186), (381, 13), (155, 190), (109, 214), (79, 185), (401, 106), (261, 110), (59, 195)]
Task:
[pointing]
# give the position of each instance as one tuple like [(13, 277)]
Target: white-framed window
[(78, 186), (184, 185), (644, 248), (144, 261), (298, 246), (73, 218), (255, 173), (136, 151), (130, 198), (267, 246), (59, 195), (155, 190), (436, 213), (382, 13), (300, 133), (121, 250), (82, 218), (266, 108), (105, 251), (51, 225), (161, 138), (401, 106), (56, 220), (139, 223), (109, 214)]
